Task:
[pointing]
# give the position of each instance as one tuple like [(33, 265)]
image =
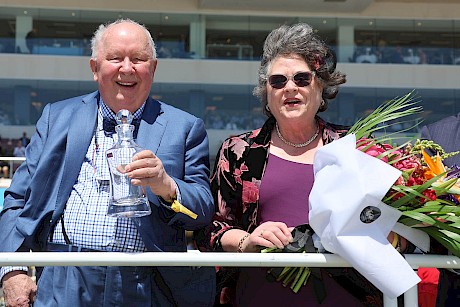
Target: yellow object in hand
[(395, 240), (178, 207)]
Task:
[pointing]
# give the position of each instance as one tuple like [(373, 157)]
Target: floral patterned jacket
[(235, 183), (236, 178)]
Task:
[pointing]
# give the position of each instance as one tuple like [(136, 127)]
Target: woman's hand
[(268, 234)]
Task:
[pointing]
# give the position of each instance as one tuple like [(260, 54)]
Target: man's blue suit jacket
[(446, 133), (41, 186)]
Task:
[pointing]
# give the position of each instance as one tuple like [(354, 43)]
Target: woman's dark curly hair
[(300, 40)]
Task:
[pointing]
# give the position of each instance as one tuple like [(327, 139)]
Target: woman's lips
[(291, 101)]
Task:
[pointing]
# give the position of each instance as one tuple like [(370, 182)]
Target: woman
[(262, 179)]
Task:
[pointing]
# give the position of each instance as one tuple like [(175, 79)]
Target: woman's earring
[(267, 108)]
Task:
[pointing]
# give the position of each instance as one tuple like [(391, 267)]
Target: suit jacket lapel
[(152, 127), (81, 130)]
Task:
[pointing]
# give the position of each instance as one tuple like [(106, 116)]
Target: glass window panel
[(7, 34), (227, 101)]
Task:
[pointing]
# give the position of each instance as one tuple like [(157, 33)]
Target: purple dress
[(284, 193)]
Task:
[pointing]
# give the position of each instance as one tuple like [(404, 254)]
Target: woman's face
[(293, 102)]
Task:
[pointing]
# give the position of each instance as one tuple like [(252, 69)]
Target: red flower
[(430, 194), (250, 192)]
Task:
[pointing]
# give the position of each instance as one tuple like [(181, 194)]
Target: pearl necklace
[(294, 144)]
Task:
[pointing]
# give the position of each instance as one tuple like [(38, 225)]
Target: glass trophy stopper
[(126, 200), (124, 128), (124, 117)]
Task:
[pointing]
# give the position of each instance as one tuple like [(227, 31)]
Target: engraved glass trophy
[(127, 200)]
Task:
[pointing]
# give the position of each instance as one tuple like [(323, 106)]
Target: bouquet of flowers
[(427, 193)]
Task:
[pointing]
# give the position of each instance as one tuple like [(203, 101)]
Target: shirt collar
[(106, 112)]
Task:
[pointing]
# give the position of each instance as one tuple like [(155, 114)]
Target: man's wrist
[(171, 197)]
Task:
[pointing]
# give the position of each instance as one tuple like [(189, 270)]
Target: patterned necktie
[(109, 124)]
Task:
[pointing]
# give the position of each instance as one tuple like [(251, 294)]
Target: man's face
[(124, 67)]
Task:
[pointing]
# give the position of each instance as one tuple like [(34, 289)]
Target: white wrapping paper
[(347, 181)]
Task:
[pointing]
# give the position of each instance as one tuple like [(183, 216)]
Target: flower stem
[(283, 273), (271, 250), (289, 276), (302, 280), (297, 277)]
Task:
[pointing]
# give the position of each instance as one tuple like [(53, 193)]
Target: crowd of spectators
[(4, 118), (233, 120), (403, 55), (6, 147), (11, 148)]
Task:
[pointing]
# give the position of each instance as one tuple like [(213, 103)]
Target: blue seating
[(57, 50), (2, 190)]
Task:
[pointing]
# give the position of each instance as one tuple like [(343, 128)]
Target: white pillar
[(198, 37), (346, 42), (24, 25)]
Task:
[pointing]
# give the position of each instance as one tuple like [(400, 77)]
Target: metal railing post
[(411, 297), (390, 302)]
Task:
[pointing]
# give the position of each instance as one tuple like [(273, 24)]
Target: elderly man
[(59, 197)]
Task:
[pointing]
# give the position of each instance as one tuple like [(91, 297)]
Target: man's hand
[(148, 170), (18, 289)]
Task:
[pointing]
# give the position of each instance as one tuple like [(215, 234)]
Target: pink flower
[(318, 61), (238, 147), (239, 171), (374, 150), (410, 163), (400, 181), (250, 192)]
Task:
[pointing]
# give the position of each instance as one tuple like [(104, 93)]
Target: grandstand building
[(209, 52)]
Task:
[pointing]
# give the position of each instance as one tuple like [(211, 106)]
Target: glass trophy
[(126, 200)]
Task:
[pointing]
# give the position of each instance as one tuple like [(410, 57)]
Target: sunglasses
[(301, 79)]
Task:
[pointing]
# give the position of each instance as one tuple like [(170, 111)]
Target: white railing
[(195, 258), (12, 160)]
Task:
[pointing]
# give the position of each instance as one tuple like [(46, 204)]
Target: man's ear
[(93, 66), (154, 68)]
